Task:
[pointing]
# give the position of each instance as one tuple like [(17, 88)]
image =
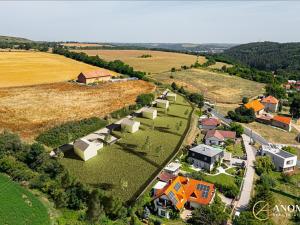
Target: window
[(289, 162), (162, 213)]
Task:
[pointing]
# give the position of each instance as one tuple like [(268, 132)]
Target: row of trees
[(31, 164), (196, 98), (43, 46), (116, 65), (70, 131)]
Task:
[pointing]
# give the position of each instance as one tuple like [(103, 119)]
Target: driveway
[(249, 176)]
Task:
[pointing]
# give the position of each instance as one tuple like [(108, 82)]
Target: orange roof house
[(182, 190), (282, 122), (270, 103), (100, 75), (270, 99), (255, 105)]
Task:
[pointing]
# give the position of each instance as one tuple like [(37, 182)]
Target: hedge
[(70, 131)]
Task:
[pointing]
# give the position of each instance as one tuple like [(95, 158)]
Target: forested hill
[(9, 39), (283, 58)]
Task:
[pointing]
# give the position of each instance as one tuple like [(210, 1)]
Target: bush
[(70, 131), (145, 99), (242, 114)]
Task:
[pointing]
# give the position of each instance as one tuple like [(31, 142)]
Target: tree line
[(116, 65)]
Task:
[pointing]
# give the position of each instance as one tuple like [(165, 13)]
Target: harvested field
[(219, 65), (159, 62), (33, 109), (217, 87), (30, 68)]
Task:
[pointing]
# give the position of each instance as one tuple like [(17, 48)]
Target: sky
[(152, 21)]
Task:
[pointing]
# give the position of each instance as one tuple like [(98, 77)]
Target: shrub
[(145, 99)]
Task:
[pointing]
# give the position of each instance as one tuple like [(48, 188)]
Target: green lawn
[(221, 179), (124, 168), (236, 149), (292, 187), (18, 206)]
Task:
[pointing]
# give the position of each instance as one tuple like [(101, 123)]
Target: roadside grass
[(158, 62), (124, 168), (274, 135), (217, 87), (19, 206)]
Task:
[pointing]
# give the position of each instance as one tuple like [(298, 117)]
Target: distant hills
[(282, 58), (185, 47), (9, 39)]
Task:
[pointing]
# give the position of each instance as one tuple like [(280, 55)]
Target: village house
[(209, 123), (256, 105), (161, 103), (171, 97), (204, 156), (94, 76), (130, 125), (169, 172), (282, 122), (149, 113), (86, 149), (218, 137), (270, 103), (283, 160), (180, 193)]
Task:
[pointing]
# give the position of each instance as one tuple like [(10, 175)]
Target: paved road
[(248, 179), (256, 137)]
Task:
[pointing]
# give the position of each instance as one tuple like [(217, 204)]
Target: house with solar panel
[(205, 156), (181, 193)]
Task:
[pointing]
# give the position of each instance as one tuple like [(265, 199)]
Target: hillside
[(283, 58), (9, 39)]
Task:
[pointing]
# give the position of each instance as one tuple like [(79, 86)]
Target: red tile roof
[(221, 134), (270, 99), (255, 105), (210, 122), (283, 119), (164, 176), (188, 191), (96, 73)]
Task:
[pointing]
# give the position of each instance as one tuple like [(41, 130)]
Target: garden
[(125, 168)]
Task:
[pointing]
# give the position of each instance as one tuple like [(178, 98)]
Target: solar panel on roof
[(204, 194), (177, 186), (172, 197)]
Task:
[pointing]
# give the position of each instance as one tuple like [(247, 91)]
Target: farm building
[(129, 125), (94, 76), (282, 122), (256, 106), (270, 103), (180, 193), (149, 113), (160, 103), (171, 97), (86, 149)]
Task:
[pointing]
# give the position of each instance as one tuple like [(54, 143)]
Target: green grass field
[(125, 167), (19, 206)]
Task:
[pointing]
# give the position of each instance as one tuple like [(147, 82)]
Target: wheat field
[(31, 68), (30, 110), (159, 62)]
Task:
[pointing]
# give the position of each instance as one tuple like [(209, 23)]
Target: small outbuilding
[(95, 76), (149, 113), (161, 103), (171, 97), (86, 149), (130, 126)]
